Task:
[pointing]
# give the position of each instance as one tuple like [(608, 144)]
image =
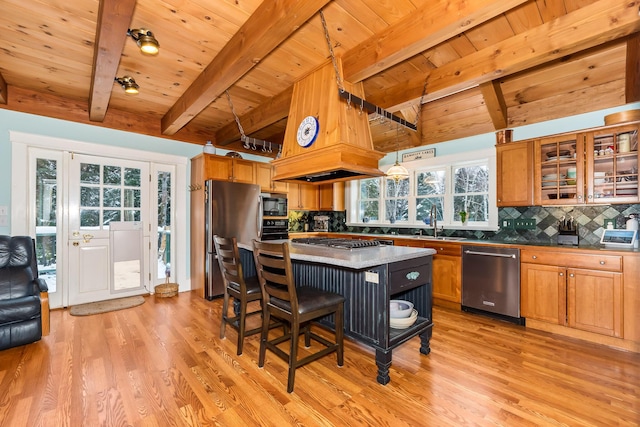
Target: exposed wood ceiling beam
[(419, 31), (265, 29), (496, 105), (632, 78), (3, 90), (587, 27), (114, 18)]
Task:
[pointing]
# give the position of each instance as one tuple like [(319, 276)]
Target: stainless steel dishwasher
[(491, 281)]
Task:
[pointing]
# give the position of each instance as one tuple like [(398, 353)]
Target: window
[(471, 192), (396, 203), (369, 193), (448, 185), (430, 191)]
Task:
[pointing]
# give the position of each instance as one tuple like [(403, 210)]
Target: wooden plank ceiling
[(476, 65)]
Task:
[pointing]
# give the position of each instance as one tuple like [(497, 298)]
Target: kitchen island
[(368, 278)]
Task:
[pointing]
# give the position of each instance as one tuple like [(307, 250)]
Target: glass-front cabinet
[(612, 165), (594, 166), (559, 172)]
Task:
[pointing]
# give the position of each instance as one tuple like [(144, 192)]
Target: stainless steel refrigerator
[(231, 210)]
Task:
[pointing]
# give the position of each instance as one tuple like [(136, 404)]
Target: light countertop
[(358, 258)]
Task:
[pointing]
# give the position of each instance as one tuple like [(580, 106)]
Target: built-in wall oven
[(275, 222), (275, 229)]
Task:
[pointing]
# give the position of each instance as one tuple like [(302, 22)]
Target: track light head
[(128, 84), (145, 41)]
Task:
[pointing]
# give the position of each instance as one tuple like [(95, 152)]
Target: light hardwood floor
[(163, 364)]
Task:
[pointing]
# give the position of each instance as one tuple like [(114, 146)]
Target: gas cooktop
[(336, 243)]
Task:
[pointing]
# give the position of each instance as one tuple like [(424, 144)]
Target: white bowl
[(400, 308), (405, 322)]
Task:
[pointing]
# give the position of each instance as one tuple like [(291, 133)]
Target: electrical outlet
[(506, 224), (609, 221), (525, 224)]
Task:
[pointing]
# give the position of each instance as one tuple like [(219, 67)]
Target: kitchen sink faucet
[(434, 220)]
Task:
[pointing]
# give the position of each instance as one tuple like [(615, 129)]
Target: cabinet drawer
[(574, 260), (453, 249), (408, 274)]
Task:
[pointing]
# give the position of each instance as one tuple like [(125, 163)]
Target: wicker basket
[(166, 290)]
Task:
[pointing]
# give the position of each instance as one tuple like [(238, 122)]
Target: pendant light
[(397, 171)]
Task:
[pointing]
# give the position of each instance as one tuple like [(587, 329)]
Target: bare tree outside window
[(397, 200), (369, 198), (471, 193), (430, 190)]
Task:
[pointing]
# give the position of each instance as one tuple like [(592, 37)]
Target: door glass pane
[(164, 225), (110, 215), (111, 198), (46, 220), (131, 198), (132, 177), (89, 218), (131, 215), (89, 196), (89, 173), (112, 175)]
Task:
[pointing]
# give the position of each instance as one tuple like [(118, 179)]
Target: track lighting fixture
[(145, 41), (128, 84)]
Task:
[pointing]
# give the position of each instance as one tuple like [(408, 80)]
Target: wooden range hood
[(343, 149)]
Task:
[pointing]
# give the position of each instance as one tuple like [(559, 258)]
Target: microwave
[(274, 206)]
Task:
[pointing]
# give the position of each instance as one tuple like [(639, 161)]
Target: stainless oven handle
[(260, 223), (490, 254)]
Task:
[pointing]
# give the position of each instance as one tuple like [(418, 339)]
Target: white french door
[(88, 211), (101, 191)]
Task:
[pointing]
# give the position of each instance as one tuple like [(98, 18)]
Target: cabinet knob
[(561, 274), (571, 275), (534, 257), (602, 262)]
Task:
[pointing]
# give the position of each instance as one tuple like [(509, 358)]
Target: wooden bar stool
[(296, 305), (235, 285)]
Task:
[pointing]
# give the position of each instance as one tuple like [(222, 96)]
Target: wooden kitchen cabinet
[(446, 270), (598, 166), (227, 168), (514, 174), (612, 174), (303, 197), (331, 196), (577, 290), (555, 158), (264, 178)]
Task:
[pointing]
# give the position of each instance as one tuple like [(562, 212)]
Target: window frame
[(448, 163)]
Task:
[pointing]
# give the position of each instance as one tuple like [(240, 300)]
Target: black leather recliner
[(24, 300)]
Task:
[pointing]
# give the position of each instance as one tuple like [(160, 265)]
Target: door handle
[(87, 237)]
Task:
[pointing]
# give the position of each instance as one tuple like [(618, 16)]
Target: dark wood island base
[(369, 278)]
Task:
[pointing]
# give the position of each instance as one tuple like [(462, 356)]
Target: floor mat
[(104, 306)]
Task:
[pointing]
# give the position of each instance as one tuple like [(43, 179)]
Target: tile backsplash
[(590, 220)]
